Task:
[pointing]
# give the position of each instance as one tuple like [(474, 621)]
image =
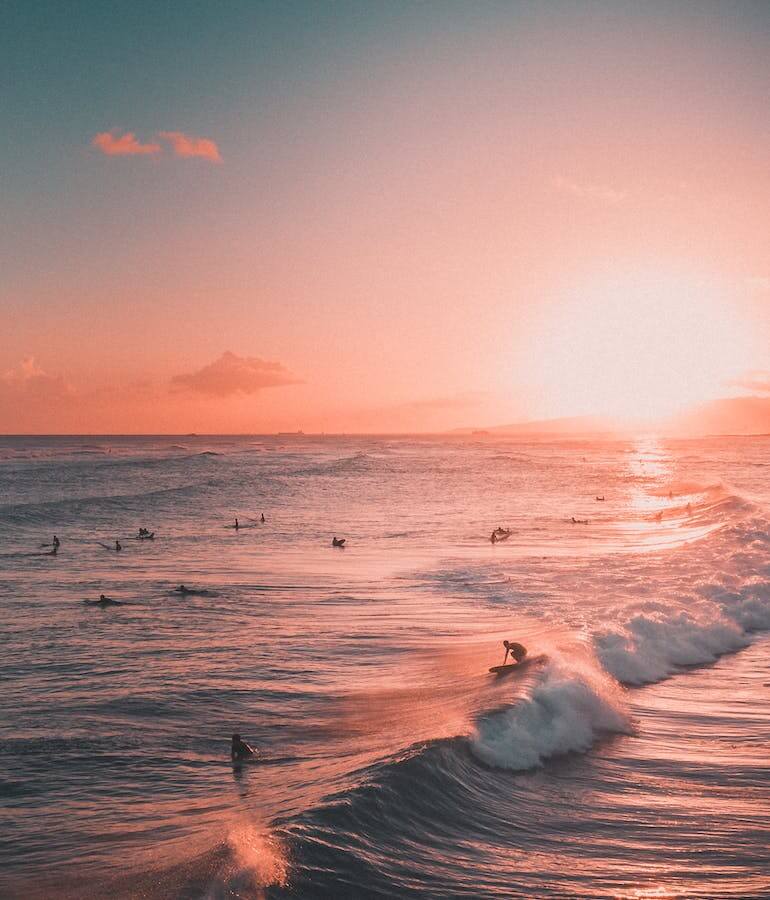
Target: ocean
[(627, 757)]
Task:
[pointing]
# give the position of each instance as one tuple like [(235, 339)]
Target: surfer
[(493, 538), (104, 601), (517, 651), (262, 518), (579, 521), (338, 542), (600, 498), (56, 542), (118, 548), (240, 749), (237, 526)]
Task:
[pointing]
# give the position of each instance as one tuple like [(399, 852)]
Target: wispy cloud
[(187, 146), (113, 143), (231, 374), (756, 380), (28, 381), (600, 193)]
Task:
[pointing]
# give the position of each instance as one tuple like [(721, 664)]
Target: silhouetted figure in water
[(493, 537), (338, 542), (104, 601), (600, 498), (517, 651), (240, 749), (579, 521), (262, 518), (237, 526), (56, 542), (118, 548)]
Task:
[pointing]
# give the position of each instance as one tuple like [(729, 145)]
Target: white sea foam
[(655, 641), (569, 707)]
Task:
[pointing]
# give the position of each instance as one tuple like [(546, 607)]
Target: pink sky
[(470, 223)]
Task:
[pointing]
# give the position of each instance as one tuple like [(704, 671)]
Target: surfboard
[(523, 664)]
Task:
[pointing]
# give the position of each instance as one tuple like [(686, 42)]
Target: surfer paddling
[(338, 542), (240, 750), (104, 601)]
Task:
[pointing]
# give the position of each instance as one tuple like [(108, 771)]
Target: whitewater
[(627, 757)]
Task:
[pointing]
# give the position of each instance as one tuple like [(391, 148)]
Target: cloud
[(756, 380), (28, 383), (232, 374), (601, 193), (186, 146), (113, 143)]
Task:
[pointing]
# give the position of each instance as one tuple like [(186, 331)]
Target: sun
[(638, 344)]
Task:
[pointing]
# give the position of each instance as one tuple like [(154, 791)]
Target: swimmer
[(338, 542), (262, 518), (104, 601), (56, 542), (118, 548), (600, 498), (183, 590), (240, 749)]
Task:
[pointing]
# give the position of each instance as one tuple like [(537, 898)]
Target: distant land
[(734, 415)]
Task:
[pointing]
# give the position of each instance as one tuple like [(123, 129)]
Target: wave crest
[(571, 705)]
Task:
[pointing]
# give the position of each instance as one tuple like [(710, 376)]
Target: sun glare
[(638, 345)]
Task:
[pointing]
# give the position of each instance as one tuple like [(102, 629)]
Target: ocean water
[(628, 757)]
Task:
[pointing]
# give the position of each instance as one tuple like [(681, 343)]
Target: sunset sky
[(246, 217)]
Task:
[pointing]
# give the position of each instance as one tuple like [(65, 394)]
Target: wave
[(652, 639), (656, 642), (22, 514), (360, 461), (571, 705)]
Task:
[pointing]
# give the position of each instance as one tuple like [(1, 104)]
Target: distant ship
[(289, 433)]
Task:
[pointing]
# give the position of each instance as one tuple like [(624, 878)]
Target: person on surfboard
[(240, 749), (517, 651)]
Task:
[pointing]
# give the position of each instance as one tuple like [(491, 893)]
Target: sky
[(253, 217)]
